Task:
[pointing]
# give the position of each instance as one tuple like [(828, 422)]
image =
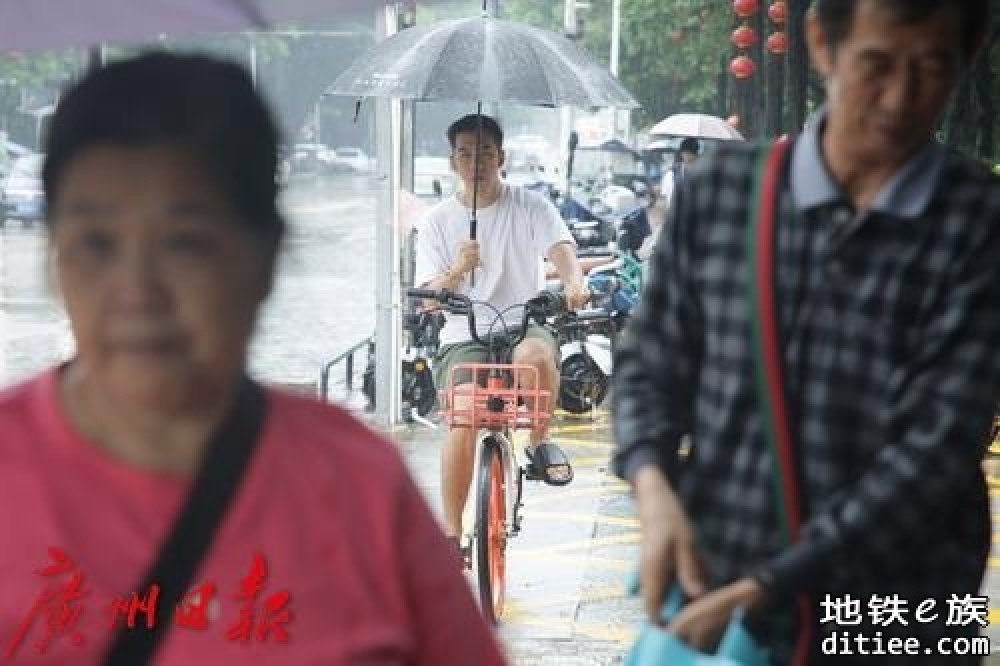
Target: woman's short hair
[(690, 145), (203, 104)]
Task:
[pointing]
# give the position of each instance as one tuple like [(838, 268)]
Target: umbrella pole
[(475, 172), (475, 182)]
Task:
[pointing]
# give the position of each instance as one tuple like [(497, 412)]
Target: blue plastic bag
[(655, 647)]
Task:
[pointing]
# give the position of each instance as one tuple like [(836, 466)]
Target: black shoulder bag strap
[(229, 451)]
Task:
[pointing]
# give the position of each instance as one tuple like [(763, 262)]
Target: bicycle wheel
[(491, 534)]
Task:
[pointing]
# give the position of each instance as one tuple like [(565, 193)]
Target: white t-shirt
[(515, 235), (667, 183)]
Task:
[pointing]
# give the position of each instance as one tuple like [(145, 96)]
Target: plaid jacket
[(891, 332)]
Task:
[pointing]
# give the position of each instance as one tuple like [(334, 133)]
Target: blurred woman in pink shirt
[(160, 181)]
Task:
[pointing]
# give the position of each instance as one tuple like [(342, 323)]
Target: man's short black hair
[(205, 105), (470, 122), (837, 16)]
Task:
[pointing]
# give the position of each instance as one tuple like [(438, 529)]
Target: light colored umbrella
[(697, 125), (483, 60), (33, 25)]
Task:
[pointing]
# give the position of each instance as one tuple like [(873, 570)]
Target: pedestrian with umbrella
[(517, 229)]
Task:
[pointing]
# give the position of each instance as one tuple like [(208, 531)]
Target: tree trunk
[(986, 80), (960, 117), (982, 80), (724, 108), (775, 94), (797, 66), (761, 81)]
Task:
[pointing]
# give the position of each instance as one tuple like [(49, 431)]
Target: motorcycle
[(586, 339), (591, 225), (417, 390)]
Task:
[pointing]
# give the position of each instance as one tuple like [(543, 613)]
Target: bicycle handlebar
[(545, 304)]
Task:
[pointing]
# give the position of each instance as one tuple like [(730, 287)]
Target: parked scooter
[(584, 340), (417, 390)]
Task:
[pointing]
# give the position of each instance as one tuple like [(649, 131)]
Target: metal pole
[(388, 116), (566, 113), (616, 34), (253, 60), (616, 19)]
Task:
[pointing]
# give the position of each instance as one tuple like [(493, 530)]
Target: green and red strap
[(769, 375)]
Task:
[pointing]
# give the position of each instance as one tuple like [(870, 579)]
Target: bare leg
[(538, 354), (457, 458)]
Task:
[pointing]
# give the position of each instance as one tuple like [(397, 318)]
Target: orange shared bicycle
[(490, 398)]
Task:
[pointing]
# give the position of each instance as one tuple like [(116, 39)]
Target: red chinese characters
[(192, 612), (131, 607), (59, 607), (273, 618), (57, 611)]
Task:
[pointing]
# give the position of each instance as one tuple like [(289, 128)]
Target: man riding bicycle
[(516, 230)]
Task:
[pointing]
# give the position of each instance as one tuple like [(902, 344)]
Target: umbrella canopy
[(483, 60), (697, 125), (32, 25)]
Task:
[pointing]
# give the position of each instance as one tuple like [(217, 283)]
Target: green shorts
[(472, 352)]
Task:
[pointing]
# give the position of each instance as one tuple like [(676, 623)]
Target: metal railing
[(347, 358)]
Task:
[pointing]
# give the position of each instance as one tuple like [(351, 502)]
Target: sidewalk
[(565, 600), (567, 567)]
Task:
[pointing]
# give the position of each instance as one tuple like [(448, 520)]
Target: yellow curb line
[(582, 544), (534, 498), (582, 427), (604, 563), (590, 461), (578, 443), (623, 636), (585, 518), (605, 593)]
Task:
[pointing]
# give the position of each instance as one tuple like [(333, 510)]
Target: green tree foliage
[(670, 54), (675, 55), (18, 69)]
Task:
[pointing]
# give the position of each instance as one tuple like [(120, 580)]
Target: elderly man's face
[(160, 282), (889, 81)]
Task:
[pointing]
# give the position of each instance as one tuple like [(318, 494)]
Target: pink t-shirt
[(326, 502)]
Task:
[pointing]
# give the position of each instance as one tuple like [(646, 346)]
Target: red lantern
[(777, 43), (745, 8), (744, 37), (742, 67), (777, 11)]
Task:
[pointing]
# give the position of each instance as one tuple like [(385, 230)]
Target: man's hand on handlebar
[(577, 294)]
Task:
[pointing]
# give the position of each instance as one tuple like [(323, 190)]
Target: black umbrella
[(482, 60)]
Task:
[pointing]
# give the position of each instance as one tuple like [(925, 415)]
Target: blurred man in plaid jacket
[(887, 257)]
